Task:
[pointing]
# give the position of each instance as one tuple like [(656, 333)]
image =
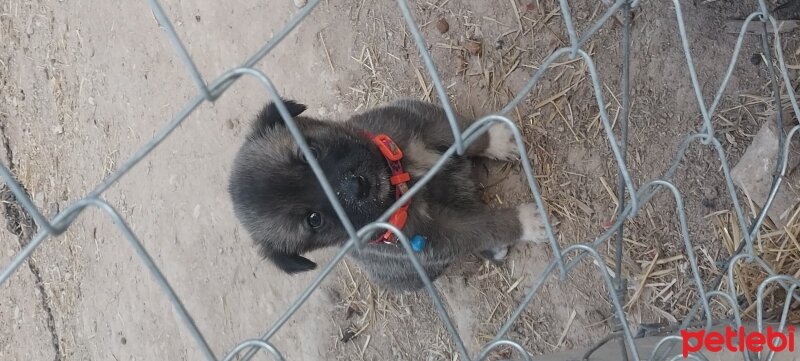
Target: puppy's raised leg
[(490, 231), (497, 143)]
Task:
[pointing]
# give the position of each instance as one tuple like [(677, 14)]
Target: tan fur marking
[(420, 159)]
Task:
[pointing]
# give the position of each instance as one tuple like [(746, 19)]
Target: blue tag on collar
[(418, 243)]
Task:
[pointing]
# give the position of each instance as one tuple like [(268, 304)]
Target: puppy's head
[(278, 199)]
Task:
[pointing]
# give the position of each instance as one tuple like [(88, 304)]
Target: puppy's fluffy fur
[(283, 207)]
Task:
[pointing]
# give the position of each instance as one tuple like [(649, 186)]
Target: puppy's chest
[(419, 159), (450, 184)]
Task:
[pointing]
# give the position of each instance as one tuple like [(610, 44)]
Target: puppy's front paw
[(495, 255), (501, 144), (531, 223)]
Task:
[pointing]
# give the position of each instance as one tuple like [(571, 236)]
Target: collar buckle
[(388, 148)]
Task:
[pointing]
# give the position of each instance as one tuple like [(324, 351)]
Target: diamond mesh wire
[(636, 196)]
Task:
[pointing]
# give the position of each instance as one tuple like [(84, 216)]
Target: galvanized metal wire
[(636, 196)]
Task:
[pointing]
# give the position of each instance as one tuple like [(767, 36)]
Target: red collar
[(400, 178)]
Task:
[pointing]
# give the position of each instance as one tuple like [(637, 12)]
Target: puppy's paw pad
[(501, 144), (495, 255), (532, 224)]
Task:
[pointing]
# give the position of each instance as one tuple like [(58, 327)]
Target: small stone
[(53, 209), (755, 171), (58, 130), (755, 59), (473, 47), (123, 341), (196, 212), (38, 199), (229, 123), (442, 25), (300, 3), (90, 100), (197, 17)]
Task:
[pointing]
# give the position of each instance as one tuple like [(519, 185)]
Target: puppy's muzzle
[(355, 187)]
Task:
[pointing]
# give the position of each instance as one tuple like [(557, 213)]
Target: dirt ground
[(84, 83)]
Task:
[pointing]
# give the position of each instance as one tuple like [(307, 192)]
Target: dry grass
[(779, 249), (659, 276), (367, 311), (777, 246), (660, 283)]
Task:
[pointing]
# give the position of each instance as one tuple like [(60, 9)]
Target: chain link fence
[(631, 196)]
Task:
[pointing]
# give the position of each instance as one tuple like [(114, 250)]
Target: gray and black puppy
[(283, 207)]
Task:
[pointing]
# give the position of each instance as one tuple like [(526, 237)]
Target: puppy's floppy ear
[(270, 117), (292, 263)]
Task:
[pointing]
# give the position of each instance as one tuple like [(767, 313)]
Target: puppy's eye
[(313, 151), (314, 220)]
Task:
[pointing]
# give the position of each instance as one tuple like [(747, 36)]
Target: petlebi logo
[(738, 340)]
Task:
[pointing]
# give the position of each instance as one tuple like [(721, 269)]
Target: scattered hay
[(363, 311), (779, 249)]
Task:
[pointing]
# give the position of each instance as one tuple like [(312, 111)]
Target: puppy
[(281, 204)]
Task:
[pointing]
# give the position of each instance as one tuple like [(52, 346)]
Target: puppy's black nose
[(355, 187)]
